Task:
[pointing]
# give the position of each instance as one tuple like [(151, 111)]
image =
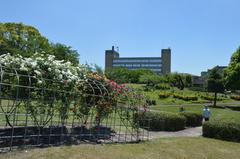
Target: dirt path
[(189, 132)]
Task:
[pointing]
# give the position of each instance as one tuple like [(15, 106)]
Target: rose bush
[(60, 87), (51, 80)]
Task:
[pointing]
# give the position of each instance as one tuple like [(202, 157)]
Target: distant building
[(159, 65), (204, 73), (220, 70), (198, 81), (202, 80)]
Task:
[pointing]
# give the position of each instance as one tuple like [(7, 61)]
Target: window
[(156, 70), (129, 65), (136, 65), (151, 65), (159, 60)]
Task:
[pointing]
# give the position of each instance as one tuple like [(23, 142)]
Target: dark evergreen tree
[(215, 83)]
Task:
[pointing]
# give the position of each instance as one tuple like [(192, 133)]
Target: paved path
[(189, 132)]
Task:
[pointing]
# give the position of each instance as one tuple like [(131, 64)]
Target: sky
[(200, 33)]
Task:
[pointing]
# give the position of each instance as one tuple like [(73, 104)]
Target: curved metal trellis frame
[(50, 113)]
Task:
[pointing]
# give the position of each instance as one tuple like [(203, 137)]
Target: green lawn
[(218, 114), (167, 148)]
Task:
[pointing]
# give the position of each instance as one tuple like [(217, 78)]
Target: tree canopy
[(124, 75), (232, 72), (63, 52), (17, 38), (176, 80), (25, 40)]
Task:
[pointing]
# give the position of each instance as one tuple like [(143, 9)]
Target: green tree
[(119, 74), (152, 80), (124, 75), (188, 80), (232, 72), (176, 80), (63, 52), (17, 38), (215, 83)]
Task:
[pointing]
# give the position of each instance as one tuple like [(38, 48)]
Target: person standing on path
[(206, 113)]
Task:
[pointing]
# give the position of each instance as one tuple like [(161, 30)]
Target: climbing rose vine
[(45, 67), (72, 79)]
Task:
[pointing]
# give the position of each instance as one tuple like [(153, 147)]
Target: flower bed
[(185, 97), (163, 95)]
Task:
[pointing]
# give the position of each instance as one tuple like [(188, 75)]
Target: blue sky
[(201, 33)]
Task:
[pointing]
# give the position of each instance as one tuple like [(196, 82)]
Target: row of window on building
[(152, 69), (136, 65), (137, 60)]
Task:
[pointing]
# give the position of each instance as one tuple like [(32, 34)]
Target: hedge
[(163, 121), (211, 98), (151, 102), (235, 97), (185, 97), (227, 130), (235, 108), (192, 119), (163, 95), (162, 86)]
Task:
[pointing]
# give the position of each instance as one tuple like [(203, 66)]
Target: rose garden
[(49, 102)]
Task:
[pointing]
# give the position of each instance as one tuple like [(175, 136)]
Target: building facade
[(220, 70), (159, 65)]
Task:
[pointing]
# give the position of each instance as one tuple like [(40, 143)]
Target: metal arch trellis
[(50, 113)]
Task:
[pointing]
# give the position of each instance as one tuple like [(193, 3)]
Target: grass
[(217, 114), (170, 148)]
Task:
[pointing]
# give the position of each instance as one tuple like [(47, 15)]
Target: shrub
[(211, 98), (185, 97), (190, 98), (192, 119), (164, 95), (163, 121), (148, 88), (207, 97), (220, 98), (235, 108), (199, 89), (151, 102), (235, 97), (229, 130), (162, 86), (154, 102)]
